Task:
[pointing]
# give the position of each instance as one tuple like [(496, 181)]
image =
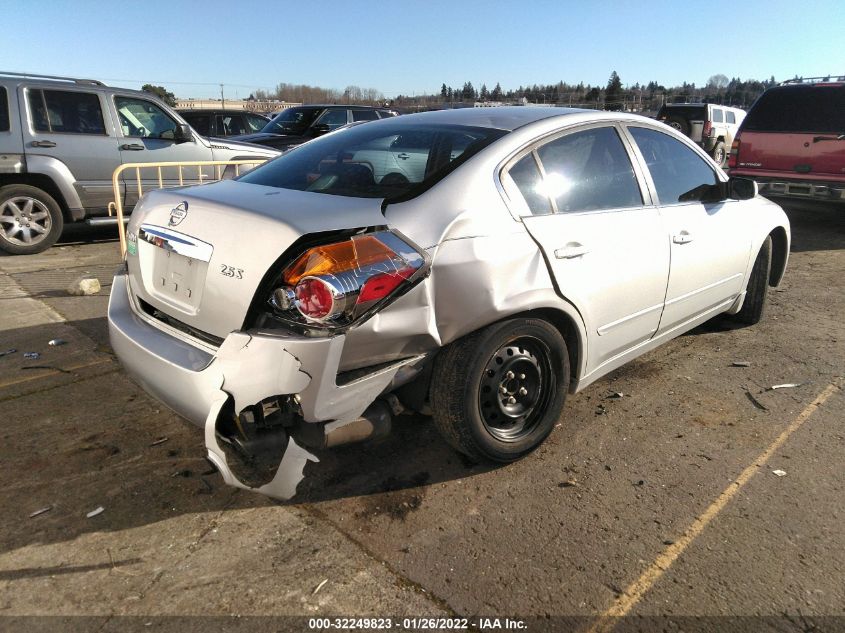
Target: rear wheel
[(719, 153), (679, 123), (30, 220), (497, 393), (754, 304)]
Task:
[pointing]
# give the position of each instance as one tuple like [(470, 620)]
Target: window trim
[(720, 175), (42, 89), (513, 197)]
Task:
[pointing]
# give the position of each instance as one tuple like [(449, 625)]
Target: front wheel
[(497, 393), (30, 220), (754, 304)]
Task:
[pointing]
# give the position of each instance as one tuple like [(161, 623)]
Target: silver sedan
[(475, 265)]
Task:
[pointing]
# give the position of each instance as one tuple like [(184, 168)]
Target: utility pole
[(222, 99)]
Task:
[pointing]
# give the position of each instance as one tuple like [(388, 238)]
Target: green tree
[(613, 94), (444, 91), (496, 95), (161, 92), (485, 94)]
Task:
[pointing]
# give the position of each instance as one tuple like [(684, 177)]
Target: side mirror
[(742, 188), (319, 129), (182, 133)]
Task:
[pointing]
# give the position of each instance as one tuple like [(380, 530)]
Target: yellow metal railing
[(163, 183)]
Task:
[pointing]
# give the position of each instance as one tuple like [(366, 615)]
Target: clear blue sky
[(398, 46)]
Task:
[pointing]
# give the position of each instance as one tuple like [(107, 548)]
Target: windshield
[(375, 160), (292, 121), (819, 109)]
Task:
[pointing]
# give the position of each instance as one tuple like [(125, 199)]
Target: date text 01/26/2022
[(416, 624)]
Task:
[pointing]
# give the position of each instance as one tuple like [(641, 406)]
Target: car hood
[(199, 254), (242, 147), (258, 137)]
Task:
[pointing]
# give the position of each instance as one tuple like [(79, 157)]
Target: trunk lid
[(199, 254)]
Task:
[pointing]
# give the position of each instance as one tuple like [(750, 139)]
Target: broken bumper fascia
[(196, 381), (248, 366)]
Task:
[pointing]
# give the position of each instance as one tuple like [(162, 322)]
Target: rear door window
[(799, 109), (718, 116), (4, 110), (589, 170), (731, 118), (679, 174), (230, 124), (66, 112)]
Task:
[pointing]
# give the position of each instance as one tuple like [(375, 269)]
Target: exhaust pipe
[(375, 423)]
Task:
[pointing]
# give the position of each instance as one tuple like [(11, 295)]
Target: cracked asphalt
[(407, 527)]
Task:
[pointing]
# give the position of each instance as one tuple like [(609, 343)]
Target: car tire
[(754, 305), (30, 220), (529, 360), (719, 153), (679, 123)]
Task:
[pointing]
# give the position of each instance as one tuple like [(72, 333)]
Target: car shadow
[(815, 226)]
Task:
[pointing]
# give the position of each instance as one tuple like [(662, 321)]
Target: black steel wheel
[(497, 393)]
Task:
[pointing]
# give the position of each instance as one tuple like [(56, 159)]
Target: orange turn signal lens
[(332, 259)]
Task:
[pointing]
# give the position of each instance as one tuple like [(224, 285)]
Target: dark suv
[(793, 140), (302, 123), (223, 123)]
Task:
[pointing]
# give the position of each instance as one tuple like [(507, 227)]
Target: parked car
[(793, 141), (222, 123), (61, 140), (296, 125), (711, 126), (529, 252)]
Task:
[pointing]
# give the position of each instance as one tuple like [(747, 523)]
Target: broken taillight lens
[(333, 285)]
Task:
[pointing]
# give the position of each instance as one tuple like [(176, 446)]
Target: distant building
[(269, 105)]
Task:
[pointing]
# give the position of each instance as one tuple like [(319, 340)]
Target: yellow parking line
[(635, 592), (53, 372)]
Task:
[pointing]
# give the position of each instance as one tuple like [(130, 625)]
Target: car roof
[(506, 118)]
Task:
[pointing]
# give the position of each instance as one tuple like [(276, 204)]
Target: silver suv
[(61, 140)]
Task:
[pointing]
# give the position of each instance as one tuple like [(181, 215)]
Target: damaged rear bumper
[(196, 381)]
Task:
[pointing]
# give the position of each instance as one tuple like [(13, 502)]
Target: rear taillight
[(333, 285), (734, 155), (708, 128)]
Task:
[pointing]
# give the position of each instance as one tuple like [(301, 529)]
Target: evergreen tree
[(613, 93), (484, 94), (496, 95), (444, 91)]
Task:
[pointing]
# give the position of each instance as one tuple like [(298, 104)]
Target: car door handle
[(133, 147), (571, 251), (43, 144), (682, 238), (403, 156)]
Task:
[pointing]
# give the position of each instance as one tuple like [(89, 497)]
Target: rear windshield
[(376, 160), (799, 109), (694, 112), (4, 110)]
